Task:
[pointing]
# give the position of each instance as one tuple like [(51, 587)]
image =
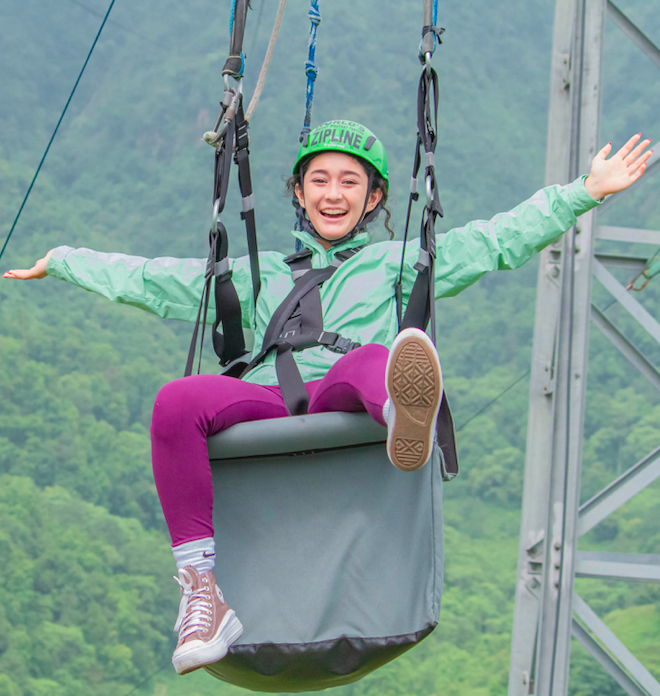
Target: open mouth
[(334, 214)]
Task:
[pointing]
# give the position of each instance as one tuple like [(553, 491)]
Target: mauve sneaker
[(206, 625), (413, 379)]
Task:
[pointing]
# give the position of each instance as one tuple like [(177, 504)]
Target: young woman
[(340, 180)]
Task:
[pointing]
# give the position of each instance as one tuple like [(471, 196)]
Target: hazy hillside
[(86, 599)]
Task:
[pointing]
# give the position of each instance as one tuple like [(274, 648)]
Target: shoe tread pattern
[(414, 387)]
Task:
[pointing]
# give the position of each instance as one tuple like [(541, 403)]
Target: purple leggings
[(188, 410)]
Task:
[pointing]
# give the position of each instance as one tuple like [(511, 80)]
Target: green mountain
[(86, 599)]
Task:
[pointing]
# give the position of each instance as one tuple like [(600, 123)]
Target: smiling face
[(335, 188)]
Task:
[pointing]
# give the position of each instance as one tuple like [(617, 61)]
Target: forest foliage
[(86, 597)]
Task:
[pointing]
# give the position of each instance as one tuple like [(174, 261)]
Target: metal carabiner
[(427, 62), (216, 217), (429, 192), (631, 284)]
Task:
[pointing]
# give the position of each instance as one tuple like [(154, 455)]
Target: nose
[(333, 191)]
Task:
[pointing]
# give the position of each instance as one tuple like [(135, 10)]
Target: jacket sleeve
[(506, 241), (165, 286)]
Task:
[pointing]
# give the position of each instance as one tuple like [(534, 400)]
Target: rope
[(231, 20), (266, 64), (311, 69), (52, 137)]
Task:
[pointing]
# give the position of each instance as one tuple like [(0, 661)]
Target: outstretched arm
[(620, 171), (37, 271), (510, 239)]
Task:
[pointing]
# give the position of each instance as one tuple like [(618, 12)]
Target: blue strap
[(311, 69), (231, 18)]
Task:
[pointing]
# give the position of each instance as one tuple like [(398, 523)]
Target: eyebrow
[(325, 171)]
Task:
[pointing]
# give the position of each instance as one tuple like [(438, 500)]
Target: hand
[(37, 271), (620, 171)]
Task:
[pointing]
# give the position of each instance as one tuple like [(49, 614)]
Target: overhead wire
[(146, 679), (96, 13), (261, 81), (253, 43), (52, 137), (492, 401)]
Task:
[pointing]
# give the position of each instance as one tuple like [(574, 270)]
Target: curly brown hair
[(378, 183)]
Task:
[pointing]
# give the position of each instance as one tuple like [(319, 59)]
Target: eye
[(318, 180)]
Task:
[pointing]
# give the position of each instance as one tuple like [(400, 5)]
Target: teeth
[(334, 212)]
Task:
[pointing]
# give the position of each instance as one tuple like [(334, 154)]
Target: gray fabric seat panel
[(295, 434), (316, 546)]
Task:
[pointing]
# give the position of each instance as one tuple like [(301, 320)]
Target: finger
[(636, 175), (604, 152), (629, 145), (641, 162), (19, 274), (637, 151)]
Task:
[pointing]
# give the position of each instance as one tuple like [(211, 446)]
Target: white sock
[(386, 411), (199, 554)]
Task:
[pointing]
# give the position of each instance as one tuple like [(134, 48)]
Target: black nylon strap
[(245, 185), (290, 381), (421, 303), (446, 438), (286, 309), (298, 324)]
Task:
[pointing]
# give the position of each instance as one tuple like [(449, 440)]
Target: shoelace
[(195, 608)]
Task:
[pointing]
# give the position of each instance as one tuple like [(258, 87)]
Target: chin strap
[(303, 222)]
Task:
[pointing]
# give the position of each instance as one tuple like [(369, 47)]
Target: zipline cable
[(492, 401), (52, 137), (144, 681)]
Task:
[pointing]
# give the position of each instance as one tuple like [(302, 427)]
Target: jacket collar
[(317, 248)]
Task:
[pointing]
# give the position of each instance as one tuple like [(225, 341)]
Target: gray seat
[(331, 557)]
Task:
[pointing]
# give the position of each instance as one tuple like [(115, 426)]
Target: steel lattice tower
[(548, 612)]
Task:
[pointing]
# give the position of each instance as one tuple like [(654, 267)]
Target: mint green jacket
[(358, 300)]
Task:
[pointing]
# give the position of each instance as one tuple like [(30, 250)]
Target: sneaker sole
[(414, 386), (195, 654)]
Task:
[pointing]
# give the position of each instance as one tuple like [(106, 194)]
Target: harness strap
[(297, 324), (421, 304), (245, 184)]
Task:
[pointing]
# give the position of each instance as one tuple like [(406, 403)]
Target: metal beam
[(606, 662), (528, 618), (628, 234), (624, 566), (627, 660), (633, 33), (632, 264), (634, 308), (628, 485), (625, 347)]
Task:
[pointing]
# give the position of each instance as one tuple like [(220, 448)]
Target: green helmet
[(349, 137)]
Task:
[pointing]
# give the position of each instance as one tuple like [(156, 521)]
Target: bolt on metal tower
[(548, 612)]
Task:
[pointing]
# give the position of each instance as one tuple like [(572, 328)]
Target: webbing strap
[(245, 185), (230, 345), (421, 303), (298, 324)]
